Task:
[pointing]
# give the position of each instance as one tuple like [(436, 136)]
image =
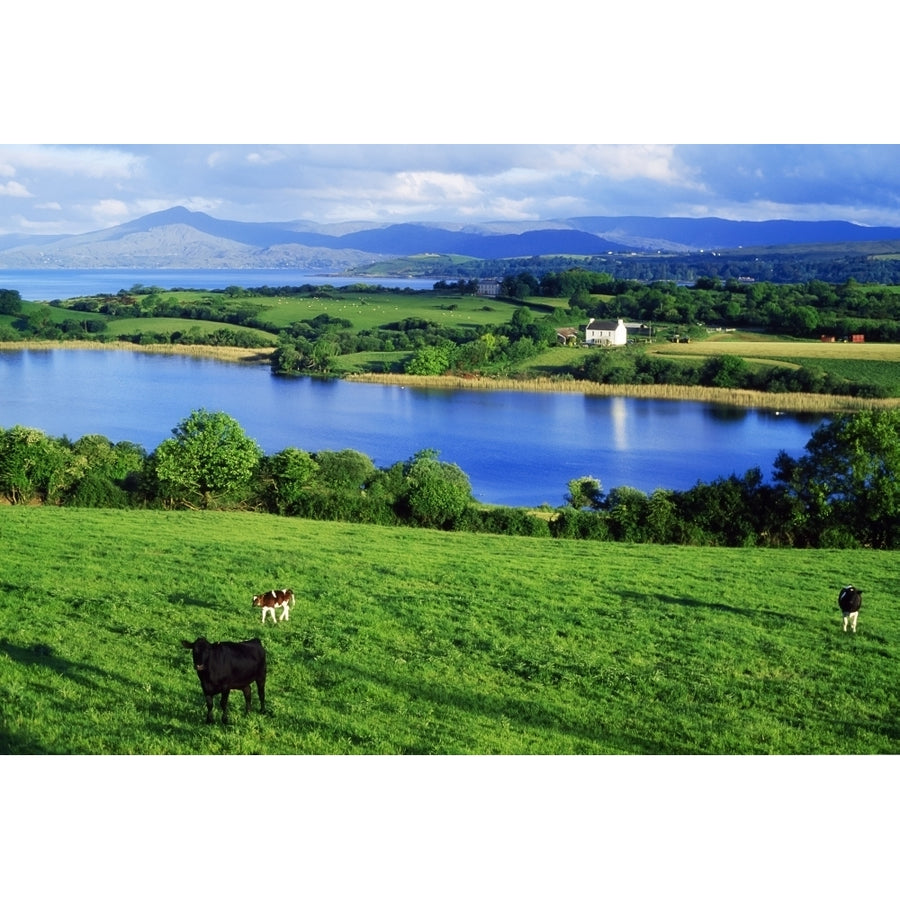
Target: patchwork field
[(781, 350)]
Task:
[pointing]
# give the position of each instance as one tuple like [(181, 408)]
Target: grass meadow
[(409, 641)]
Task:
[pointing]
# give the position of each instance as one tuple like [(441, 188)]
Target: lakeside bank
[(813, 403), (824, 404), (248, 355)]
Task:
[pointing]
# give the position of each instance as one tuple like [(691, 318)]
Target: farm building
[(567, 336), (488, 287), (606, 333)]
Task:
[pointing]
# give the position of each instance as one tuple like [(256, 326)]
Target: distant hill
[(179, 238), (690, 235)]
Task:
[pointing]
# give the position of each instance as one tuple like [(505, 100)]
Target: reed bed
[(253, 355), (793, 402)]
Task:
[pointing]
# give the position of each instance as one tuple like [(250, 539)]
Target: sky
[(73, 189), (361, 112)]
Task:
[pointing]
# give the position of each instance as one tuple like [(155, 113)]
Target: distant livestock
[(270, 600), (228, 666), (850, 601)]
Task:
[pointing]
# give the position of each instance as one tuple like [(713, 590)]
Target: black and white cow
[(272, 599), (227, 666), (850, 601)]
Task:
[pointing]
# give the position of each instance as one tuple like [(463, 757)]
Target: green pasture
[(409, 641), (356, 363), (185, 327), (370, 311), (365, 310), (54, 314)]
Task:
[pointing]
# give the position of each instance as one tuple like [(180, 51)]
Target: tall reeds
[(795, 402), (225, 354)]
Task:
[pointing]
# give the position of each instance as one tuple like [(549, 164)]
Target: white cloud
[(110, 210), (626, 162), (431, 187), (14, 189), (265, 157)]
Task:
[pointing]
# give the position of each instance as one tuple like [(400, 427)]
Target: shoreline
[(796, 403), (245, 355), (812, 403)]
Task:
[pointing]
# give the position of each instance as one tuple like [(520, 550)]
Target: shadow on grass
[(694, 604), (530, 715), (86, 675), (42, 655)]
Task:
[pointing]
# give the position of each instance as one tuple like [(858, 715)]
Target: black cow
[(228, 666), (850, 601)]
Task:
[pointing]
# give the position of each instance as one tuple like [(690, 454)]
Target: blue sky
[(53, 189)]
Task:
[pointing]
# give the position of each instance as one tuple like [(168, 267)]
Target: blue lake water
[(518, 449), (61, 284)]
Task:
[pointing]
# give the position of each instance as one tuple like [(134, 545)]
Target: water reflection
[(618, 413), (722, 413)]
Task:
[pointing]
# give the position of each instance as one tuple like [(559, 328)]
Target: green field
[(364, 309), (422, 642)]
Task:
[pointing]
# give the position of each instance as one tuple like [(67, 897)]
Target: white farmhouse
[(606, 333)]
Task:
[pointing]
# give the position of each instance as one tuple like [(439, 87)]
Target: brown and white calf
[(271, 600)]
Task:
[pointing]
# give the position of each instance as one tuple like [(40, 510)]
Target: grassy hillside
[(422, 642)]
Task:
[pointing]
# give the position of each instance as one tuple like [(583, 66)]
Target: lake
[(518, 449), (61, 284)]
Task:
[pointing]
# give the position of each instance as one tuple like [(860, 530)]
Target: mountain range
[(179, 238)]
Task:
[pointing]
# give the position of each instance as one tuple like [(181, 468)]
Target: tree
[(585, 492), (628, 509), (285, 477), (344, 470), (110, 473), (663, 525), (432, 360), (848, 482), (724, 371), (209, 460), (323, 354), (437, 493), (34, 466), (10, 302)]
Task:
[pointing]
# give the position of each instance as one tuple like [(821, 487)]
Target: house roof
[(603, 324)]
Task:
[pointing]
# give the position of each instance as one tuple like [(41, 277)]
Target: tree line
[(777, 267), (636, 366), (844, 492)]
